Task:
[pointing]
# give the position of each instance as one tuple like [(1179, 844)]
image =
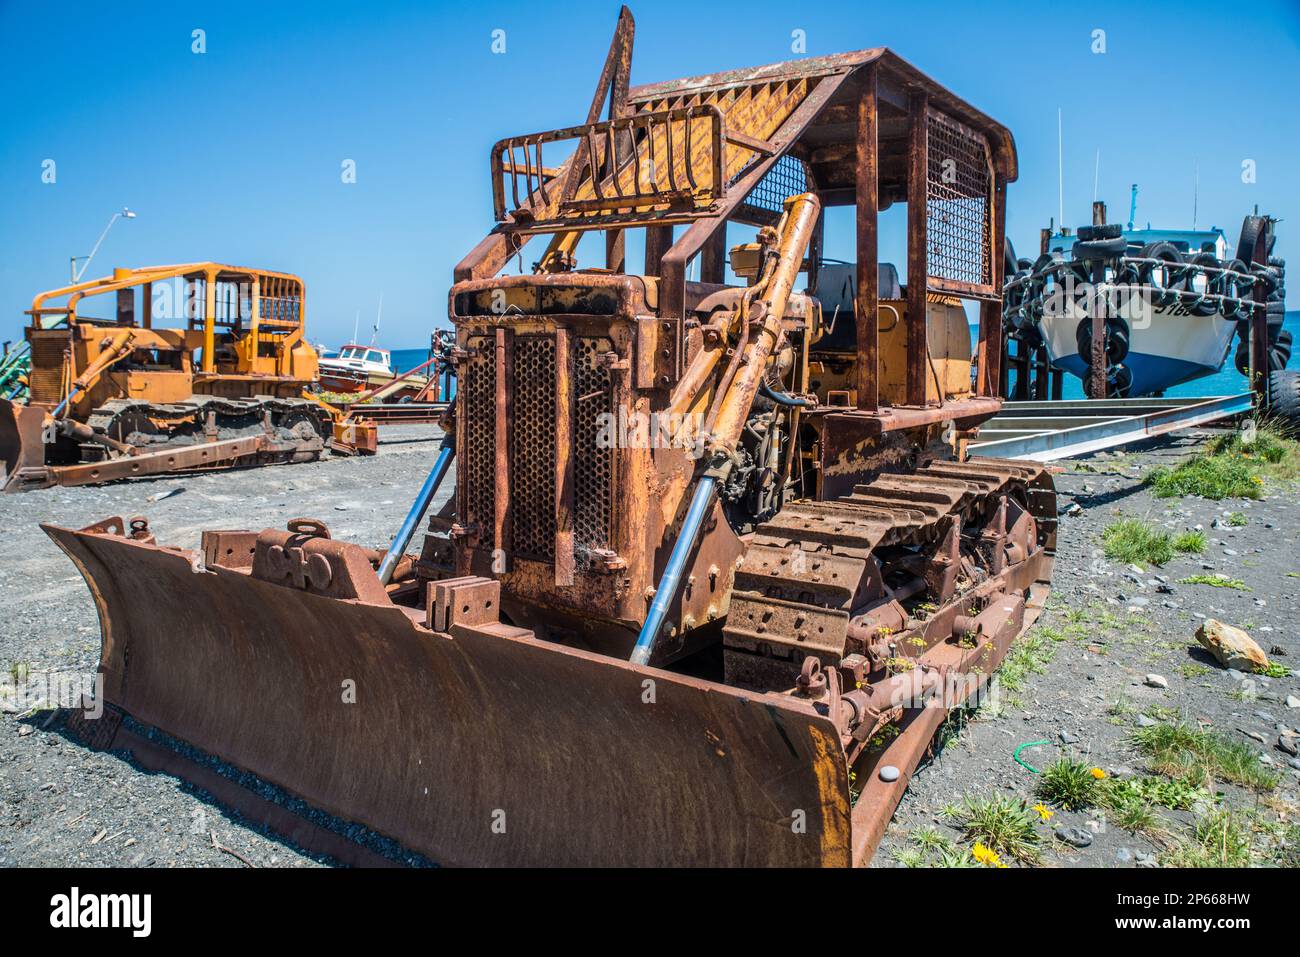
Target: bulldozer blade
[(477, 744), (22, 447)]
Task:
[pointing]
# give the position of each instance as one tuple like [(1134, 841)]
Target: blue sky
[(235, 154)]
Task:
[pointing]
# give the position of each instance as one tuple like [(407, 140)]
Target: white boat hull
[(1167, 346)]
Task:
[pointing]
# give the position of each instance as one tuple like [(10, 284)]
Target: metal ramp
[(1045, 431)]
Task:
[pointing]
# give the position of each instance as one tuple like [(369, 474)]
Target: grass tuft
[(1005, 825), (1215, 581), (1138, 542), (1197, 757), (1190, 543), (1068, 783), (1233, 466)]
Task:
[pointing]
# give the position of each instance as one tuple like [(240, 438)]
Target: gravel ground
[(1118, 626), (62, 804)]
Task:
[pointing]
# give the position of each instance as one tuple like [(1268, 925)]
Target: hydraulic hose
[(421, 505), (783, 398)]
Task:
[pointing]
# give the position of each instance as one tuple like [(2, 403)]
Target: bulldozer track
[(232, 416), (809, 569)]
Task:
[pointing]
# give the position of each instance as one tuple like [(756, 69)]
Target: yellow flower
[(986, 856), (1044, 811), (1098, 773)]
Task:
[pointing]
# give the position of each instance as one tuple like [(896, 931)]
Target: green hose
[(1024, 764)]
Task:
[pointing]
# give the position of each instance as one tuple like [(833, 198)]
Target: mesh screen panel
[(959, 184)]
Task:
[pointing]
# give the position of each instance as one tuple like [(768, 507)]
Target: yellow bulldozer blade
[(22, 447), (469, 741)]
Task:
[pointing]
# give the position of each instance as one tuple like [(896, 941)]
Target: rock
[(1253, 735), (889, 773), (1144, 722), (1288, 744), (1124, 855), (1067, 738), (1078, 836), (1294, 762), (1156, 681), (1229, 551), (1233, 647), (1292, 701), (1138, 601), (1234, 674), (1146, 860)]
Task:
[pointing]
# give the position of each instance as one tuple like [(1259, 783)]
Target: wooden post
[(918, 343), (146, 305), (867, 305), (1097, 361)]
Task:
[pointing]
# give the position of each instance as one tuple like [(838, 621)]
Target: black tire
[(1284, 400), (1162, 278), (1099, 249), (1251, 228), (1119, 381), (1204, 306), (1117, 340), (1279, 351), (1109, 231)]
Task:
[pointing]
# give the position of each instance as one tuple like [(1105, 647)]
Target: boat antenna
[(378, 316), (1096, 174), (1132, 205), (1060, 167), (1196, 193), (356, 326)]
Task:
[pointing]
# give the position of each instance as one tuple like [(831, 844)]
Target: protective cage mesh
[(959, 233), (787, 177)]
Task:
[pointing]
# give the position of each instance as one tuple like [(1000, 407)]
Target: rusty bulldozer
[(120, 396), (717, 565)]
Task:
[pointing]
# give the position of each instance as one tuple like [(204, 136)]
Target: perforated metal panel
[(532, 448), (46, 375), (960, 183), (480, 435), (593, 466)]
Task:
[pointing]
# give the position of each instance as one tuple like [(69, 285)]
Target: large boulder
[(1232, 646)]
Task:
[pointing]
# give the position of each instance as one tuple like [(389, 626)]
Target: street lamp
[(78, 273)]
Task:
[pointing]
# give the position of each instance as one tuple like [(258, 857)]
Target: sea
[(1227, 381)]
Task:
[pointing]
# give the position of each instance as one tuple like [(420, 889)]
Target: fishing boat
[(356, 368), (1171, 302)]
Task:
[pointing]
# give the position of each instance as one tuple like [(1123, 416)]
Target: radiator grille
[(45, 378), (532, 448), (480, 435), (959, 184), (593, 466)]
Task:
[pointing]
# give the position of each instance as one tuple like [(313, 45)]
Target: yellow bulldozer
[(717, 564), (128, 394)]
